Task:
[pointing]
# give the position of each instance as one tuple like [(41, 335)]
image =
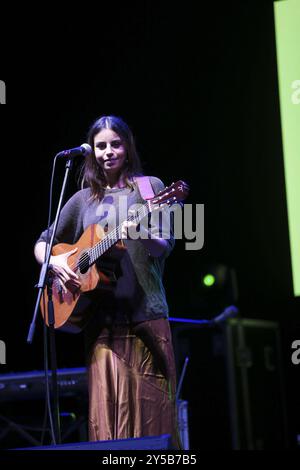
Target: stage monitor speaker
[(233, 384), (143, 443)]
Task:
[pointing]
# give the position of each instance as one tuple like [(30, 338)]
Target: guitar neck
[(107, 242), (175, 193)]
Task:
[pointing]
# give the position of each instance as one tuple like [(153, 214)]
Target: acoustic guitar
[(72, 309)]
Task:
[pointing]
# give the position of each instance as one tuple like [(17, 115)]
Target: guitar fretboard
[(94, 253)]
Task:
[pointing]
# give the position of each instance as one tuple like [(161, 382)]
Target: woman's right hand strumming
[(68, 279), (59, 266)]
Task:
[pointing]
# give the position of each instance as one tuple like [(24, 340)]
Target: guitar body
[(71, 309)]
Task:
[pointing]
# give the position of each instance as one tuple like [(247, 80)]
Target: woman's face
[(110, 151)]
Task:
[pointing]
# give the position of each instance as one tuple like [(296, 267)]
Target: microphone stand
[(228, 312), (46, 278)]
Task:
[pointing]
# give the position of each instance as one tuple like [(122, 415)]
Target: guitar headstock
[(174, 193)]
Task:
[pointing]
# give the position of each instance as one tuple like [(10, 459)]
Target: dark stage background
[(199, 89)]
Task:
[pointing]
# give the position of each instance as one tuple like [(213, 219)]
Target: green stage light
[(212, 288), (209, 280)]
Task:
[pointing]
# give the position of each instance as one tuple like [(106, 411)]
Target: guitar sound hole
[(84, 263)]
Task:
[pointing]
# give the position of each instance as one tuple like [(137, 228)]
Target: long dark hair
[(92, 173)]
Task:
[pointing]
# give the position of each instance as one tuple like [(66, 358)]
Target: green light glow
[(287, 21), (209, 280)]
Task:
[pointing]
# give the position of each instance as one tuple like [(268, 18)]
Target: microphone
[(229, 312), (84, 149)]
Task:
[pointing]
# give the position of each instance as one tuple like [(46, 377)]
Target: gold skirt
[(132, 382)]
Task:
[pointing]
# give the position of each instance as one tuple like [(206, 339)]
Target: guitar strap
[(145, 187)]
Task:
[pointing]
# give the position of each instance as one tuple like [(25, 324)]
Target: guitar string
[(84, 261), (93, 253), (89, 257), (97, 250), (115, 235)]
